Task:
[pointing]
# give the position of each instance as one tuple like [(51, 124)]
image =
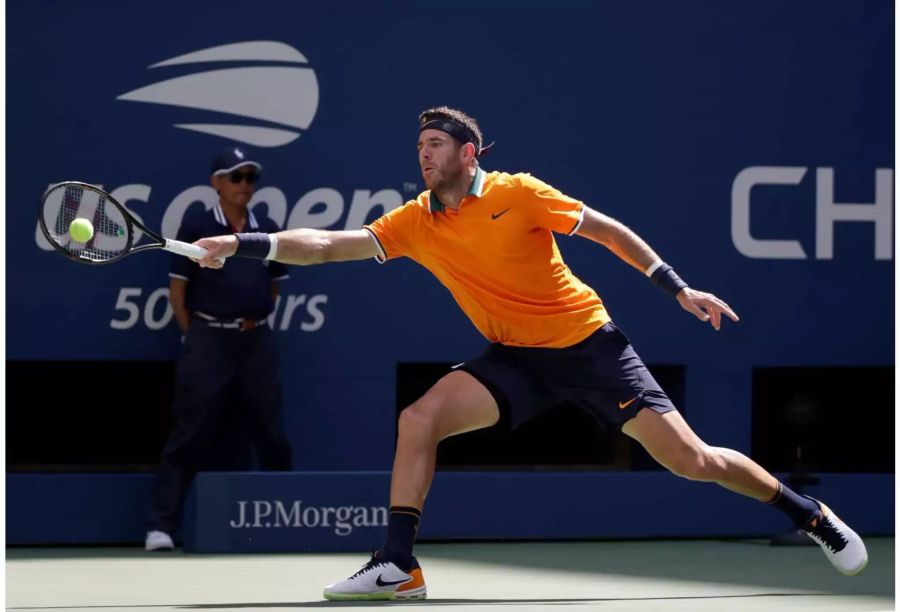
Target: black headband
[(459, 131)]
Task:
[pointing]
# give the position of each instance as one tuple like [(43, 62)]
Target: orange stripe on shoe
[(418, 580)]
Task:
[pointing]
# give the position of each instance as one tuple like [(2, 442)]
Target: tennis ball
[(81, 230)]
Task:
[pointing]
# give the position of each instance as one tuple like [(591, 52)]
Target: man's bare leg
[(457, 403), (671, 442)]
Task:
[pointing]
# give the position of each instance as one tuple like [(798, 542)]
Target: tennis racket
[(116, 233)]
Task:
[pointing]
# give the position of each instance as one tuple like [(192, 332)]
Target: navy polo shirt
[(243, 287)]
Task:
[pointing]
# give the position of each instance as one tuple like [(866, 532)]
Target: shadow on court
[(446, 602), (487, 602), (638, 575), (735, 562)]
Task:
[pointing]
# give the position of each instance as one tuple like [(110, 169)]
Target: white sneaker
[(380, 579), (158, 540), (840, 544)]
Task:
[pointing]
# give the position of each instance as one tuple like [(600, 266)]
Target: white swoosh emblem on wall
[(250, 134), (261, 51), (286, 95)]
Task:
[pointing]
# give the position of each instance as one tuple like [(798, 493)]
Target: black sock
[(403, 523), (799, 508)]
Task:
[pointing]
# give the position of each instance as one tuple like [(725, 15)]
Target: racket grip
[(188, 250)]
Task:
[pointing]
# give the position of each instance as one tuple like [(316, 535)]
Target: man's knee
[(419, 420), (695, 464)]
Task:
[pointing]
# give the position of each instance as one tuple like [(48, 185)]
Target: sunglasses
[(251, 177)]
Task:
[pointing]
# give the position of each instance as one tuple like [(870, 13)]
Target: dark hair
[(456, 116)]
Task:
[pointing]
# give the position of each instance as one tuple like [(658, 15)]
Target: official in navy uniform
[(229, 359)]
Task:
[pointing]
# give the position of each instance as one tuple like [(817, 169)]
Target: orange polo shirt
[(498, 257)]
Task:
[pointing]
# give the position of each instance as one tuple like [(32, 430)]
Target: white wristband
[(653, 267), (273, 247)]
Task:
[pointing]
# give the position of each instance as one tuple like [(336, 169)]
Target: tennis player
[(489, 238)]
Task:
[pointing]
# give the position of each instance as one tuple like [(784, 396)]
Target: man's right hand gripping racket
[(105, 231)]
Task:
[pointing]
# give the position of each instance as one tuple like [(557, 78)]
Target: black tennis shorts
[(601, 374)]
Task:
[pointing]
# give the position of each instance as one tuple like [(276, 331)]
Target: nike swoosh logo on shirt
[(624, 405), (496, 216), (381, 582)]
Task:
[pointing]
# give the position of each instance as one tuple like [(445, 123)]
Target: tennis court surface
[(620, 575)]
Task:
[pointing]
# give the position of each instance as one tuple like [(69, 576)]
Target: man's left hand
[(705, 306)]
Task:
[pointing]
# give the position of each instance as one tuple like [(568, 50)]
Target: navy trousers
[(225, 379)]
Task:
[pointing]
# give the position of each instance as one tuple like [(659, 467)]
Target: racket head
[(114, 229)]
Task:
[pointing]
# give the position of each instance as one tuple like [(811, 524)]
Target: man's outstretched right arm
[(301, 247)]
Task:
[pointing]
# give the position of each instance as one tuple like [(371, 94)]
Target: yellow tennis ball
[(81, 230)]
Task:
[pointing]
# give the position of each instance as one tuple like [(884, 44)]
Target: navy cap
[(231, 159)]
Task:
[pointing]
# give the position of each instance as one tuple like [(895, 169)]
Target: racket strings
[(66, 203)]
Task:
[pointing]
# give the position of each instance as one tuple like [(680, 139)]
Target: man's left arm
[(630, 248)]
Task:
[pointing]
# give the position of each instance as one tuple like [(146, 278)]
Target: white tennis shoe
[(380, 579), (840, 544), (158, 540)]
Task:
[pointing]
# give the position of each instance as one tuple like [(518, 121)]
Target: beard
[(444, 178)]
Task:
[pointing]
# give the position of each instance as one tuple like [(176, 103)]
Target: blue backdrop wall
[(739, 139)]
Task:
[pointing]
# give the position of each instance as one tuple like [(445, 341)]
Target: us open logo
[(283, 92)]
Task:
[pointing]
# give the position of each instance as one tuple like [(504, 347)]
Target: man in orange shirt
[(488, 237)]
